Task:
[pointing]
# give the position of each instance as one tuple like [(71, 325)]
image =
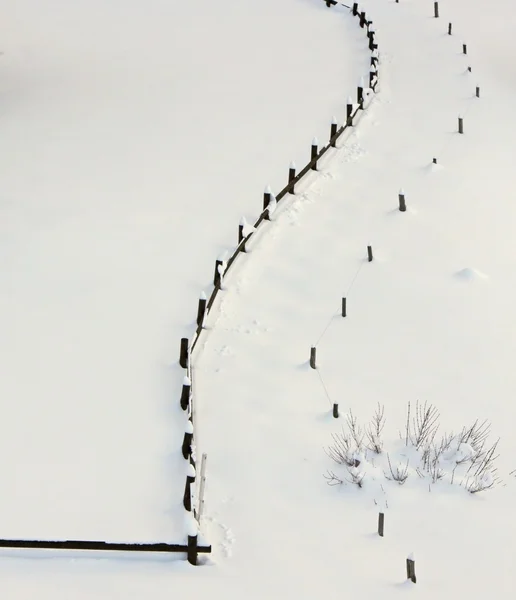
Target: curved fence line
[(353, 110)]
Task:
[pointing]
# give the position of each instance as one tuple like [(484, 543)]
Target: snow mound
[(469, 274)]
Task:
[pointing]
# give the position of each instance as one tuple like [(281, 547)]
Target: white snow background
[(134, 137)]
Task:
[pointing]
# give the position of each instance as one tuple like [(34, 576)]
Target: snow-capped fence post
[(360, 94), (372, 75), (449, 28), (335, 411), (185, 393), (313, 153), (461, 125), (187, 440), (401, 198), (313, 352), (292, 175), (477, 92), (200, 509), (381, 520), (370, 35), (355, 9), (190, 479), (333, 132), (183, 353), (436, 10), (201, 309), (464, 49), (411, 568), (370, 253), (349, 110), (343, 307), (192, 542), (266, 196), (217, 276), (362, 19)]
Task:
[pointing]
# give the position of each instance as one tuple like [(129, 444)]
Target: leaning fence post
[(333, 132), (187, 440), (185, 392), (436, 10), (192, 541), (381, 519), (401, 198), (370, 253), (461, 125), (312, 357), (292, 176), (313, 153), (411, 568), (344, 309), (183, 353)]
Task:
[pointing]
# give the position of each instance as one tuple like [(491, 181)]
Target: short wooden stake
[(241, 232), (344, 308), (434, 160), (292, 176), (185, 393), (370, 253), (349, 110), (449, 28), (372, 75), (313, 153), (464, 49), (183, 353), (217, 276), (192, 549), (469, 69), (411, 569), (360, 95), (335, 411), (436, 10), (333, 132), (401, 199), (461, 125), (187, 440), (201, 309), (187, 496), (381, 520), (355, 9), (266, 197), (312, 357), (362, 19), (477, 92)]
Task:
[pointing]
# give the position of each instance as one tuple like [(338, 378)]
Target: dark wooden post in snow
[(183, 353), (335, 411), (241, 235), (313, 152), (360, 94), (355, 9), (449, 28), (201, 309), (292, 175), (333, 132), (190, 479), (185, 392), (372, 75), (192, 541), (461, 125), (374, 57), (217, 276), (370, 253), (436, 10), (434, 160), (477, 92), (312, 357), (464, 49), (411, 568), (349, 110), (266, 197), (187, 440), (370, 35), (362, 19), (401, 198), (344, 308), (381, 519)]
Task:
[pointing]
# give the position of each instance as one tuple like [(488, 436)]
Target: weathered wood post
[(370, 35), (360, 94), (469, 69), (185, 392), (217, 276), (362, 19), (292, 176), (461, 125), (464, 49), (313, 152), (344, 307), (313, 352), (266, 196), (370, 253), (381, 520), (241, 236), (355, 9), (201, 309), (477, 92), (335, 411), (333, 132), (401, 198), (187, 440), (349, 111), (449, 28), (434, 161), (436, 10), (183, 353), (192, 541), (411, 568), (372, 75), (190, 479)]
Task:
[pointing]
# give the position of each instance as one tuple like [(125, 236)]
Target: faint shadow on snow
[(470, 274)]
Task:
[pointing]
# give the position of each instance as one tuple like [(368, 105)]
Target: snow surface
[(263, 416)]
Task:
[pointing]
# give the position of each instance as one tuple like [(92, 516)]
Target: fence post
[(411, 568), (355, 9), (217, 276), (183, 353), (185, 393), (372, 74), (401, 198), (292, 176), (477, 92), (201, 309), (436, 10), (312, 357), (335, 411), (187, 440), (344, 308), (333, 132), (360, 94), (192, 541), (362, 19), (449, 28), (370, 253), (464, 49), (190, 478), (461, 125), (349, 110), (313, 152), (381, 519)]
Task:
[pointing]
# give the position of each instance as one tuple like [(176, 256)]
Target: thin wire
[(324, 387)]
